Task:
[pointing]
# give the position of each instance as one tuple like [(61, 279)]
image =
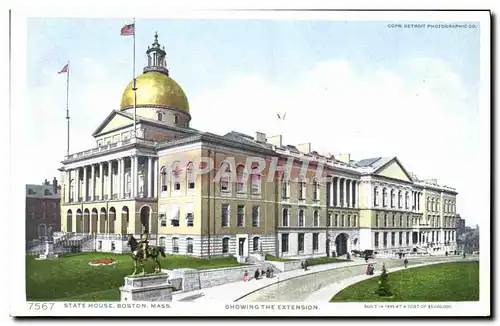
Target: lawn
[(71, 278), (326, 260), (274, 258), (440, 282)]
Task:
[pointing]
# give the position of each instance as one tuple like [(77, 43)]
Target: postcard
[(251, 163)]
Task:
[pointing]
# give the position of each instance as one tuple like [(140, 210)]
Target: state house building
[(125, 182)]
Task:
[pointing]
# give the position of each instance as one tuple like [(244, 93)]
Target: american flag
[(128, 30), (64, 69)]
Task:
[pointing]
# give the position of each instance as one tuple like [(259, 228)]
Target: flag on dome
[(64, 69), (128, 29)]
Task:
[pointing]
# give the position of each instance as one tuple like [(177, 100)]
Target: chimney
[(304, 148), (54, 186), (346, 158), (260, 137), (275, 140), (46, 182)]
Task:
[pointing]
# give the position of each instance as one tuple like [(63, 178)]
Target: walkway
[(296, 285)]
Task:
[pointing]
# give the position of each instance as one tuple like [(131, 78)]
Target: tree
[(383, 284)]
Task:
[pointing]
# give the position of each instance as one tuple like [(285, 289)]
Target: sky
[(362, 88)]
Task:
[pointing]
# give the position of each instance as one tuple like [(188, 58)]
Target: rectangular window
[(190, 219), (385, 220), (285, 216), (407, 238), (189, 244), (300, 237), (385, 239), (255, 216), (315, 241), (400, 238), (301, 217), (376, 221), (175, 245), (329, 220), (284, 243), (355, 221), (342, 220), (177, 186), (241, 216), (224, 185), (255, 185), (190, 185), (348, 221), (376, 239), (225, 215), (225, 245), (336, 220), (393, 238)]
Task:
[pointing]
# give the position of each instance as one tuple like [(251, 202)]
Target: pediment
[(394, 170), (114, 121)]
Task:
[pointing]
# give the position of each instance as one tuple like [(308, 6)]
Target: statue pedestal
[(49, 251), (154, 287)]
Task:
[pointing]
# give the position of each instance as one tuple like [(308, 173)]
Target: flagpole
[(134, 88), (67, 110)]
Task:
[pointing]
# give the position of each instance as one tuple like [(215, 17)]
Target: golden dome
[(155, 89)]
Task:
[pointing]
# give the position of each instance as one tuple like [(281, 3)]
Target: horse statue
[(141, 252)]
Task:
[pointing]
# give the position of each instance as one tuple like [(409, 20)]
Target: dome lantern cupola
[(156, 57)]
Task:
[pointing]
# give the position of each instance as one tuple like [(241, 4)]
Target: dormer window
[(176, 119), (160, 116)]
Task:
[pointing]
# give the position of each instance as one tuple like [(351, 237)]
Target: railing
[(110, 146)]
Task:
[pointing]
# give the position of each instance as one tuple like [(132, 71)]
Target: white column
[(121, 163), (92, 183), (338, 192), (149, 182), (85, 185), (101, 181), (357, 194), (331, 192), (77, 184), (67, 186), (345, 193), (156, 178), (110, 178), (133, 178)]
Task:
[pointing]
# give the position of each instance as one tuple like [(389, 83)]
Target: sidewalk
[(328, 292), (233, 291)]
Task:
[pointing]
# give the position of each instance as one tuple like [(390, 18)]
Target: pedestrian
[(366, 259), (256, 274), (245, 276), (446, 253), (262, 273), (302, 265), (306, 264), (406, 262)]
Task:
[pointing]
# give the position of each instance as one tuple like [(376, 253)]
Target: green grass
[(325, 260), (72, 278), (274, 258), (441, 282)]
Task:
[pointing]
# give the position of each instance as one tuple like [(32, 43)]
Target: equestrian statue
[(142, 251)]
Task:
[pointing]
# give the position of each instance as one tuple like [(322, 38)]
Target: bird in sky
[(281, 117)]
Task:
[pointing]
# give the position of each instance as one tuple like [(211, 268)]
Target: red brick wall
[(35, 209)]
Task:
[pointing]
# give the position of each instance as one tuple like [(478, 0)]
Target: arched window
[(190, 175), (164, 179), (375, 196), (285, 186), (176, 119), (162, 242), (225, 177), (47, 192), (301, 217), (315, 190), (400, 199), (255, 180), (175, 245), (384, 197), (438, 207), (189, 245), (225, 245), (393, 198), (316, 218), (301, 188), (159, 115), (407, 200), (176, 176), (428, 204), (256, 243), (241, 178), (285, 216)]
